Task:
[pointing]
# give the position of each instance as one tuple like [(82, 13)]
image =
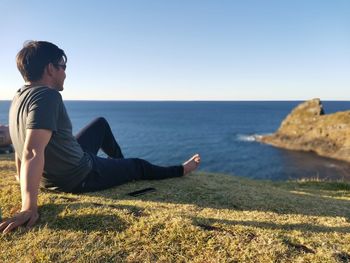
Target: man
[(46, 150)]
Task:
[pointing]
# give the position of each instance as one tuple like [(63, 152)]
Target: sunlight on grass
[(203, 217)]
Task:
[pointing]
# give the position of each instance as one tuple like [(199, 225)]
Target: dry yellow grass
[(199, 218)]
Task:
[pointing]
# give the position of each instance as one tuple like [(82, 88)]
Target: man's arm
[(31, 171), (18, 167)]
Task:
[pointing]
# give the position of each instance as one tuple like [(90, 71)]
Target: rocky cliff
[(5, 139), (308, 128)]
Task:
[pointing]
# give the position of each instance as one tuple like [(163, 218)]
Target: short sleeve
[(44, 109)]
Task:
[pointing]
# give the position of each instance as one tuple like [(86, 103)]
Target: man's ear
[(49, 69)]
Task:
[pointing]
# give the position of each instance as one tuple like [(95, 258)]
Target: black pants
[(115, 170)]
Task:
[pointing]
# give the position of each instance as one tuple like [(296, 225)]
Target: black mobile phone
[(142, 191)]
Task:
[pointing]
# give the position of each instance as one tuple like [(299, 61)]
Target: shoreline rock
[(5, 139), (308, 128)]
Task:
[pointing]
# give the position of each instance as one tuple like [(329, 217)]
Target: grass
[(203, 217)]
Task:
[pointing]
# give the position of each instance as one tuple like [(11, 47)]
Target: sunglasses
[(61, 66)]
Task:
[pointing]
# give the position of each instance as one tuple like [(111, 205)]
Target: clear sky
[(186, 49)]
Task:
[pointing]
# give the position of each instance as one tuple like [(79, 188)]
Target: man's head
[(38, 58)]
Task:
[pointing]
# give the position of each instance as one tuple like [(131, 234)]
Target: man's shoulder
[(34, 98), (45, 91), (39, 95)]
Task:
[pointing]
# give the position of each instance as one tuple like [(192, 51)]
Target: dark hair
[(35, 56)]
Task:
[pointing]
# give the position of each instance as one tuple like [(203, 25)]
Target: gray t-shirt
[(66, 164)]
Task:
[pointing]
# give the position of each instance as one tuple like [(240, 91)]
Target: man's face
[(59, 75)]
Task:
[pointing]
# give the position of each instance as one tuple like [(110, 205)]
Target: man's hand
[(29, 217)]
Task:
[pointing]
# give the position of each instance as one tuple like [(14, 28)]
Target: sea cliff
[(308, 128)]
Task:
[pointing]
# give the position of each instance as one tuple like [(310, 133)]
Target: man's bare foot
[(191, 164)]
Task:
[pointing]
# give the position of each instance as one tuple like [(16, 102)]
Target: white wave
[(331, 165), (247, 138)]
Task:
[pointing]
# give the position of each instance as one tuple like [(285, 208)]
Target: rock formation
[(5, 139), (308, 128)]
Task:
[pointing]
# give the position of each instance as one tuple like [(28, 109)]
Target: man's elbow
[(32, 153)]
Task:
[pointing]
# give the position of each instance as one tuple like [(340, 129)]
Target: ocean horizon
[(223, 132)]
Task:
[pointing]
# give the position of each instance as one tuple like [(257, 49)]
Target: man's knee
[(101, 121)]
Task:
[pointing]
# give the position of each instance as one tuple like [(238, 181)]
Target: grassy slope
[(199, 218)]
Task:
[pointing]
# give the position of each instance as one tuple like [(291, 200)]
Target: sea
[(223, 133)]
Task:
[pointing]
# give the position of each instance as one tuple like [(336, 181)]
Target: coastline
[(150, 130)]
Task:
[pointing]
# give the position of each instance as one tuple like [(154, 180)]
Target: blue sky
[(186, 49)]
